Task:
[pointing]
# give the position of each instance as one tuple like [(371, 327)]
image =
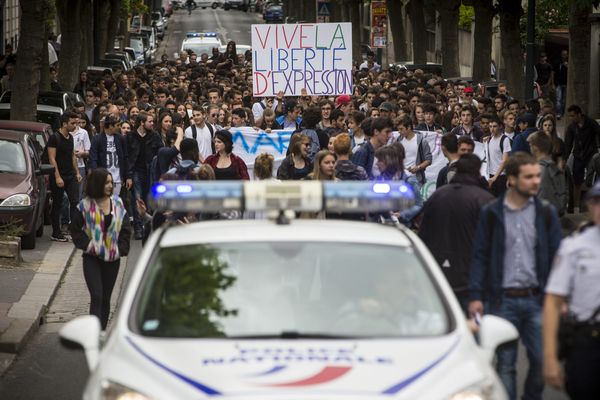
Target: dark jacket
[(583, 141), (456, 207), (520, 142), (285, 172), (154, 142), (364, 157), (98, 154), (346, 170), (239, 165), (487, 265)]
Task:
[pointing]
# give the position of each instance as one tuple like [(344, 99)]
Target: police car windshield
[(201, 48), (267, 289)]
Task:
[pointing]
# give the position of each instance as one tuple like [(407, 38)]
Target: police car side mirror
[(493, 332), (83, 333)]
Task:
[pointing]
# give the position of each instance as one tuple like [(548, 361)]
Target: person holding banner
[(227, 166)]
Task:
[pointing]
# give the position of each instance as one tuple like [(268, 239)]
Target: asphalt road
[(231, 25), (45, 370)]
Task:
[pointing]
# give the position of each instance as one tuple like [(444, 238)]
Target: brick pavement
[(73, 298)]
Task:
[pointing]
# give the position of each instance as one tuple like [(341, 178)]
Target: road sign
[(323, 11), (378, 24)]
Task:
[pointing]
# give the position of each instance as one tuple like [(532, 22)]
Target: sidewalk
[(26, 291)]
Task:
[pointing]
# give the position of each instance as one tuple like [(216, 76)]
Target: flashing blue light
[(381, 188), (160, 189), (404, 189), (200, 34), (183, 189)]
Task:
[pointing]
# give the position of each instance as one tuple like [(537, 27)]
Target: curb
[(26, 314)]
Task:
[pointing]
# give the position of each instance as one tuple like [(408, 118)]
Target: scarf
[(104, 242)]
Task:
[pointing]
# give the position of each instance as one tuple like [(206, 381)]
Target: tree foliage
[(467, 13), (549, 14)]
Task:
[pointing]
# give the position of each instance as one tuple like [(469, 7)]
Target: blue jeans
[(561, 98), (141, 188), (525, 313)]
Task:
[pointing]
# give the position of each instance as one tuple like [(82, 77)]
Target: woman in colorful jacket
[(101, 228)]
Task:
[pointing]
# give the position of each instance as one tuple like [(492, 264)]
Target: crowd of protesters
[(495, 235)]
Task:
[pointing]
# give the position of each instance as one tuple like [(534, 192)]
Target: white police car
[(287, 309), (201, 42)]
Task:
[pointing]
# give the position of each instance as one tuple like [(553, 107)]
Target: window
[(12, 157), (268, 289)]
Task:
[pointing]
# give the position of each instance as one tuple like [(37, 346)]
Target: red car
[(22, 185), (41, 132)]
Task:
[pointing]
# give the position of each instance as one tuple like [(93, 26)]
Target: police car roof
[(240, 231)]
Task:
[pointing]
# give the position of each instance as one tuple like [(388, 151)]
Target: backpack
[(212, 135), (183, 172), (593, 171), (557, 186), (502, 139)]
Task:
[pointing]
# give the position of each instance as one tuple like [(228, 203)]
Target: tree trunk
[(44, 65), (69, 13), (101, 13), (510, 14), (29, 59), (355, 20), (579, 55), (397, 28), (113, 24), (484, 16), (419, 31), (87, 52), (449, 14)]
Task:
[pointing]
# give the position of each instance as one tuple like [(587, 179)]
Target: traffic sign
[(323, 10)]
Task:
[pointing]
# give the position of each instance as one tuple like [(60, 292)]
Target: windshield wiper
[(291, 335)]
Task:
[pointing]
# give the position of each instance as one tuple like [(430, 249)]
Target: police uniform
[(576, 276)]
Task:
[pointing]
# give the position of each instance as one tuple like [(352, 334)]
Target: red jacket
[(238, 164)]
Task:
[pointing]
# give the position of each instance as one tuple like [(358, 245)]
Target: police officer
[(576, 277)]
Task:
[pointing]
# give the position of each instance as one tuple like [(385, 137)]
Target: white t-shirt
[(112, 160), (495, 153), (204, 139), (258, 109), (81, 141), (410, 150)]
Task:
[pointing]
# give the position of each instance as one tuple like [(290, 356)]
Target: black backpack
[(212, 135)]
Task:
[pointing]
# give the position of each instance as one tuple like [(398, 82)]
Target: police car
[(201, 42), (284, 308)]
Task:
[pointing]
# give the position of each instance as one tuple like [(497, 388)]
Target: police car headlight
[(485, 390), (17, 200), (115, 391)]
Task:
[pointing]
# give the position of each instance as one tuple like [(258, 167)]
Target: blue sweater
[(487, 264)]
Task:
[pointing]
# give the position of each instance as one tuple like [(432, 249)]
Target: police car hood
[(408, 368)]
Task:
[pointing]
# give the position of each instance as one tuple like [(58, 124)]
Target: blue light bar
[(367, 196), (198, 196), (193, 34)]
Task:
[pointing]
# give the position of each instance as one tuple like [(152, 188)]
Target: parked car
[(236, 4), (41, 133), (273, 13), (120, 55), (112, 64), (46, 114), (430, 67), (54, 99), (142, 54), (214, 4), (158, 23), (22, 187)]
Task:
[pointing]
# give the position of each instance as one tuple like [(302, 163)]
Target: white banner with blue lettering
[(249, 143)]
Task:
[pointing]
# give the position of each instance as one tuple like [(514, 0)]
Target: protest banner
[(296, 58), (249, 143)]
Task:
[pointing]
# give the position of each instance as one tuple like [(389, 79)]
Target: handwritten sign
[(249, 143), (311, 58)]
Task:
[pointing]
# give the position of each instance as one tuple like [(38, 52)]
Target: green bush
[(466, 17)]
